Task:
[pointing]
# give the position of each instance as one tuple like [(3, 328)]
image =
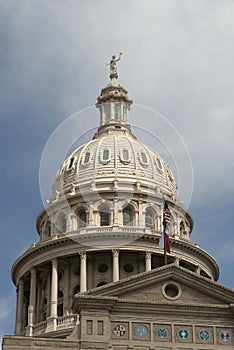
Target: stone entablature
[(64, 246)]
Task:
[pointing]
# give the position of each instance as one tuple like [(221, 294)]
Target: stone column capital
[(83, 255), (148, 254), (115, 253)]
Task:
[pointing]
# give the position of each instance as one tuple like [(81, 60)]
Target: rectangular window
[(100, 327), (89, 327)]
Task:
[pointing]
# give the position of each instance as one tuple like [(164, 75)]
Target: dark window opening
[(104, 218), (128, 268), (87, 157), (149, 219), (71, 163), (82, 219), (127, 216)]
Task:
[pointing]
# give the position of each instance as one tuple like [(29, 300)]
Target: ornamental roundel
[(119, 330), (162, 332), (204, 335), (141, 331), (183, 333), (224, 336)]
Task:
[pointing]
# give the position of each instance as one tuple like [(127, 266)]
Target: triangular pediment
[(170, 284)]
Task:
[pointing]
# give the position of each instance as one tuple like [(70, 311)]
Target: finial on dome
[(113, 66)]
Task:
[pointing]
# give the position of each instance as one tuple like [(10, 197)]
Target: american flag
[(166, 213), (166, 222)]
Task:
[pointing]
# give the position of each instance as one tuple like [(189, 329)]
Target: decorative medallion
[(204, 335), (141, 331), (183, 333), (119, 330), (224, 336), (162, 332)]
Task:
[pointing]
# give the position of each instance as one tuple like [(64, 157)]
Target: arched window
[(82, 219), (127, 216), (63, 224), (70, 165), (104, 217), (86, 157), (149, 219)]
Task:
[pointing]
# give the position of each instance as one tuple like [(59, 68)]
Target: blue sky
[(178, 60)]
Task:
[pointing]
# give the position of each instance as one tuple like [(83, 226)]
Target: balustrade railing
[(39, 327), (66, 321)]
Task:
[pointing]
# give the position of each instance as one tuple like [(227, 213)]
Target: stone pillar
[(54, 289), (19, 307), (141, 216), (48, 286), (148, 261), (115, 253), (32, 302), (52, 320), (83, 272), (91, 221)]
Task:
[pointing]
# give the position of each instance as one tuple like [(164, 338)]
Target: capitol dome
[(102, 224), (118, 160)]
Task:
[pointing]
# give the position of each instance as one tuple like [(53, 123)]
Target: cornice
[(53, 244)]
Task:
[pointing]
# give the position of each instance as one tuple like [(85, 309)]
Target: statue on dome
[(113, 66)]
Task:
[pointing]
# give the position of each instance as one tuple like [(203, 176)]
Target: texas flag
[(166, 222)]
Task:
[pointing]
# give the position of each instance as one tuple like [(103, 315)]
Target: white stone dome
[(116, 157)]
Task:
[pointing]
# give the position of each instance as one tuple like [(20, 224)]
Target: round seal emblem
[(183, 333), (119, 330), (204, 335), (162, 332), (141, 331), (224, 336)]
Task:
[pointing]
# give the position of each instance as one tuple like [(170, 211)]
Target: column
[(83, 272), (32, 302), (148, 261), (52, 320), (141, 215), (19, 307), (115, 254), (54, 289), (48, 285), (115, 219)]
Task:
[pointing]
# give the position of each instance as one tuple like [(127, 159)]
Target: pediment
[(171, 284)]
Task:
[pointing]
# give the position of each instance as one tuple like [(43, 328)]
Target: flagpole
[(165, 249)]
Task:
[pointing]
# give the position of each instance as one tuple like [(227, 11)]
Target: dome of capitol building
[(102, 223)]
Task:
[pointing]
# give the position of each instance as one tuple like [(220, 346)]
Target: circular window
[(102, 268), (171, 291), (103, 283), (128, 267)]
